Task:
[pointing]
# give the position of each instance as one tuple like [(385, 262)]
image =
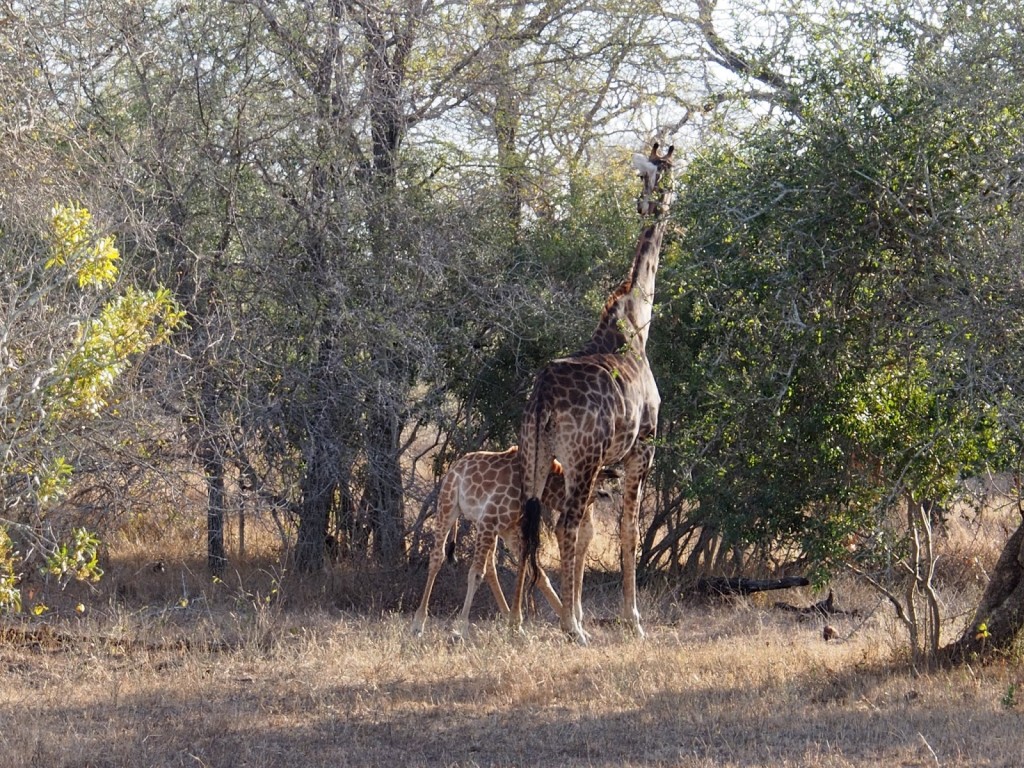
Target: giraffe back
[(482, 483), (484, 487), (593, 406)]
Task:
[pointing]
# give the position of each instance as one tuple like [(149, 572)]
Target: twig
[(929, 748)]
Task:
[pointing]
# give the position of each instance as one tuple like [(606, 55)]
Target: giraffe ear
[(645, 167)]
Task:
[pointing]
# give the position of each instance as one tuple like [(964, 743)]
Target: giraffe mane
[(618, 293)]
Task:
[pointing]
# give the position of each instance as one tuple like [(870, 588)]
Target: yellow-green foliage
[(127, 325), (98, 348), (77, 558), (10, 595), (54, 480), (91, 259)]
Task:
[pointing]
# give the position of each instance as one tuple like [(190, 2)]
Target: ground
[(239, 679), (159, 665)]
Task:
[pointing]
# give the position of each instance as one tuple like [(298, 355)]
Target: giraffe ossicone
[(595, 408)]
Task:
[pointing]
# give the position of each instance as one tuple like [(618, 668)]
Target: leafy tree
[(845, 310), (68, 339)]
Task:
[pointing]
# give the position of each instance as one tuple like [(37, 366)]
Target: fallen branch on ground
[(714, 585), (826, 607)]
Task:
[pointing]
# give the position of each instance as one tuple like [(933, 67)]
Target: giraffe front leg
[(637, 466), (630, 612)]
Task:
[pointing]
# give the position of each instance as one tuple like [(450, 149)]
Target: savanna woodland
[(267, 269)]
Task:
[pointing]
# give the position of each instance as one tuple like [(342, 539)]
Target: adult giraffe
[(599, 407)]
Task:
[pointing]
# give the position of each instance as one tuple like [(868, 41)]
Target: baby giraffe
[(484, 487)]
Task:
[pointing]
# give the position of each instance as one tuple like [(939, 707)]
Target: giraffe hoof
[(634, 629), (581, 639), (578, 635), (631, 620)]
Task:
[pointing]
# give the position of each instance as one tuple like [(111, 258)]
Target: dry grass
[(243, 678), (165, 668)]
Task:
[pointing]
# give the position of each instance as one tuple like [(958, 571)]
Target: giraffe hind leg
[(491, 574), (478, 570), (584, 537), (447, 517), (573, 540), (515, 542), (436, 561), (548, 591)]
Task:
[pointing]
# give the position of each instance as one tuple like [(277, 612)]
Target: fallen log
[(826, 607), (720, 585)]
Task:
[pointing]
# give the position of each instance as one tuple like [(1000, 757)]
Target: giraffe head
[(653, 169)]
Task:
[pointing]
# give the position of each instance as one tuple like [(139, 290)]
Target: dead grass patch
[(167, 668), (231, 679)]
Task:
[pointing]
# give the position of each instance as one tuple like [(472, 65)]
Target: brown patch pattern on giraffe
[(484, 488), (596, 408)]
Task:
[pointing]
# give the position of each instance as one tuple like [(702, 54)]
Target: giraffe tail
[(530, 528), (535, 470)]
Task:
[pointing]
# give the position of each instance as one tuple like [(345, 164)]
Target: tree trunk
[(318, 488), (383, 498), (213, 466), (506, 129), (999, 618), (699, 561), (322, 453), (346, 527)]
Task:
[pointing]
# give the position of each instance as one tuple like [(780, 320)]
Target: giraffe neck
[(626, 317), (642, 277)]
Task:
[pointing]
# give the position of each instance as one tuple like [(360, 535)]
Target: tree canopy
[(348, 231)]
